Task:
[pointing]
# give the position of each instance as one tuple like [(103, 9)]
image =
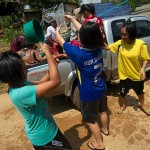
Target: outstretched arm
[(74, 21), (106, 47), (59, 37), (52, 78)]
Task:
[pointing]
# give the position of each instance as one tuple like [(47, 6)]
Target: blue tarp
[(102, 10)]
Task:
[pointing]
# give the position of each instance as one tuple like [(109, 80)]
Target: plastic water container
[(60, 20), (33, 31)]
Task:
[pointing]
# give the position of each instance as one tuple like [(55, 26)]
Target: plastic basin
[(33, 31)]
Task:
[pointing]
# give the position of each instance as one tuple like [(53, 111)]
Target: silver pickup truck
[(66, 67)]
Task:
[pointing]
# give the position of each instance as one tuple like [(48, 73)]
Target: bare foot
[(105, 131), (145, 110), (121, 109), (94, 146)]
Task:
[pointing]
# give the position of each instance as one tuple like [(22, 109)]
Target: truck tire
[(75, 97)]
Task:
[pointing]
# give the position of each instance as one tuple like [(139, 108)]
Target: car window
[(116, 28), (143, 28)]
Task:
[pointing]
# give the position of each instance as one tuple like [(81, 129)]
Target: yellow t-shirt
[(130, 57)]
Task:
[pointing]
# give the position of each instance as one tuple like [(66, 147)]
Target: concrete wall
[(90, 1)]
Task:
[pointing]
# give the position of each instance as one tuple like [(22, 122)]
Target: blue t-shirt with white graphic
[(89, 70), (40, 126)]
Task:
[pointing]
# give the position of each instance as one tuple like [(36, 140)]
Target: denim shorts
[(90, 109)]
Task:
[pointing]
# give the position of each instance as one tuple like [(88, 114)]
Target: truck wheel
[(75, 98)]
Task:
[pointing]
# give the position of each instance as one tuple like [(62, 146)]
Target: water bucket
[(33, 31)]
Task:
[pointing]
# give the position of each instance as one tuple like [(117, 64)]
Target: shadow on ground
[(75, 133)]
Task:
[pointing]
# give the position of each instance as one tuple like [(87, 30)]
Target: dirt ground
[(128, 131)]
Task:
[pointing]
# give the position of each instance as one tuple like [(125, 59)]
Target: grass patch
[(4, 46)]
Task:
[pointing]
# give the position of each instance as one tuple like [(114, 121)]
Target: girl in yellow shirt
[(132, 53)]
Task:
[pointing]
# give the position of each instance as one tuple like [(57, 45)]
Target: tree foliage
[(39, 4)]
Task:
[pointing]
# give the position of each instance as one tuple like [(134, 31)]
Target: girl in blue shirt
[(28, 98), (89, 62)]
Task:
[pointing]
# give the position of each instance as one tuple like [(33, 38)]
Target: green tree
[(40, 4)]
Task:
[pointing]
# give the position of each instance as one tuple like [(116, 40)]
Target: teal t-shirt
[(40, 126)]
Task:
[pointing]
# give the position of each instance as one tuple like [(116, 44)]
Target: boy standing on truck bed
[(91, 85)]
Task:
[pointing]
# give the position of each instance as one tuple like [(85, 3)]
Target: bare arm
[(59, 37), (44, 79), (106, 47), (142, 71), (74, 21), (145, 62), (51, 79)]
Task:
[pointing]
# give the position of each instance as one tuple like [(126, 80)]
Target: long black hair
[(87, 7), (90, 35), (131, 30), (11, 66)]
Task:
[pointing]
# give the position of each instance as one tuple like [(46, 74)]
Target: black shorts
[(90, 109), (58, 143), (127, 84)]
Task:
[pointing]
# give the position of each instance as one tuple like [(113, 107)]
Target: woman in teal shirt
[(28, 98)]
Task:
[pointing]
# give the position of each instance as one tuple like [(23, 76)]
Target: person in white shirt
[(51, 30), (50, 39)]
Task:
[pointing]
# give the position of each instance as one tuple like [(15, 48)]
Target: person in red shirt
[(17, 43), (88, 13)]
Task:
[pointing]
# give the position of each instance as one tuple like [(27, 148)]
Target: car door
[(112, 30), (143, 31)]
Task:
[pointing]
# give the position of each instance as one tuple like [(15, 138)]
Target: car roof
[(123, 17)]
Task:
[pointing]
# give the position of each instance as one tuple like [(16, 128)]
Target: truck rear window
[(116, 29), (143, 28)]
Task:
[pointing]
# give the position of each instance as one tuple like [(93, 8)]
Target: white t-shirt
[(51, 32)]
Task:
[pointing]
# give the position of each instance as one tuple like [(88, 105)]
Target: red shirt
[(17, 43), (98, 20), (94, 19)]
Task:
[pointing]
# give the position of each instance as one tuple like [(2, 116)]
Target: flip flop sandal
[(105, 133), (121, 110), (91, 146), (144, 111)]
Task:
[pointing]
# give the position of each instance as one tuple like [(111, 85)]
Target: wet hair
[(90, 35), (11, 65), (130, 29), (87, 7)]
